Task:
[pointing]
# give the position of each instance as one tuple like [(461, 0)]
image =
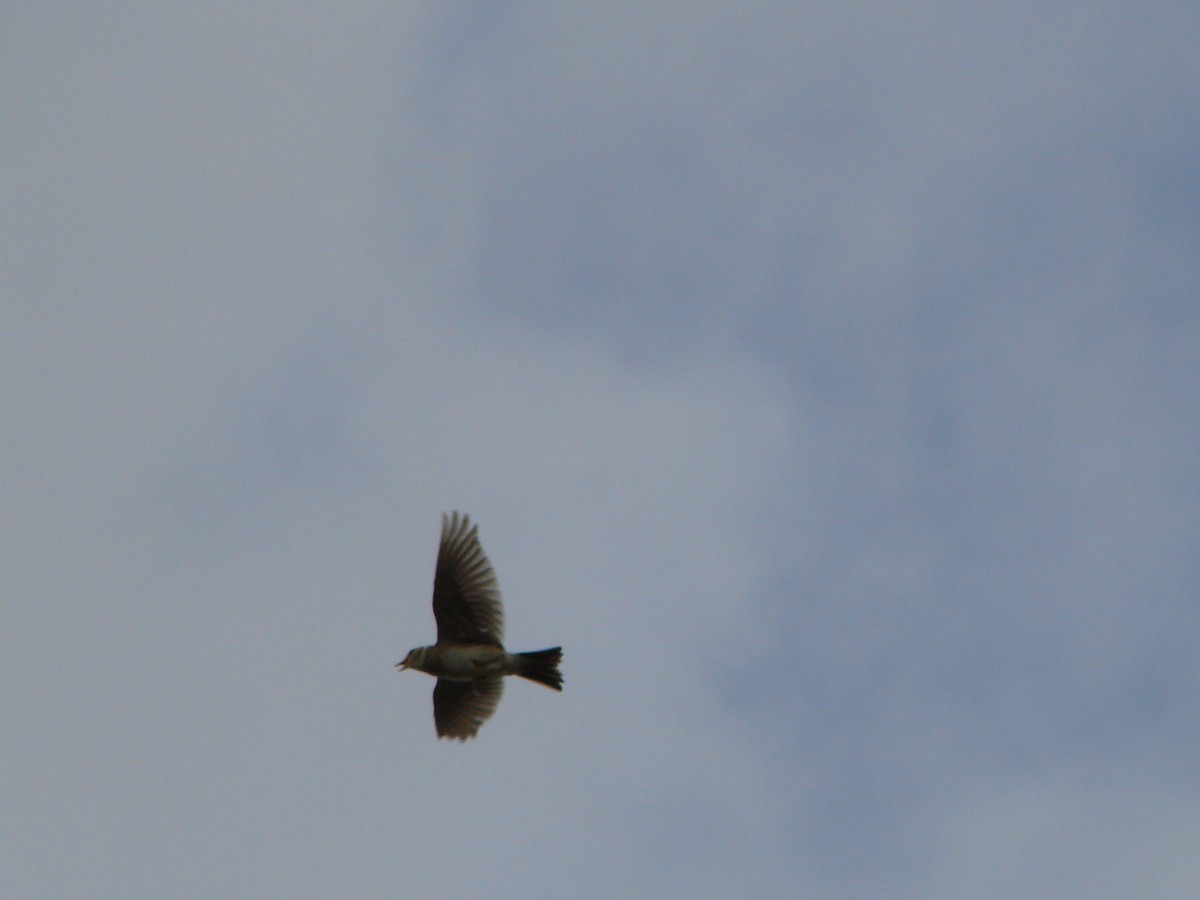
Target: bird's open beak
[(402, 665)]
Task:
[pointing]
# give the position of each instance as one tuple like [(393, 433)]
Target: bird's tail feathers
[(542, 666)]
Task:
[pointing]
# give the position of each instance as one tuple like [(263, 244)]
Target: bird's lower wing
[(460, 707)]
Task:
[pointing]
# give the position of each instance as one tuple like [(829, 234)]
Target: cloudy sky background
[(823, 378)]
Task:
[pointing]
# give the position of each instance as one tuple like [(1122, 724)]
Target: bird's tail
[(541, 666)]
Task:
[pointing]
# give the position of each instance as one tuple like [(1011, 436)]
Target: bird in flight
[(469, 659)]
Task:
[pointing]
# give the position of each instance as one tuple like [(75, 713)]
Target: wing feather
[(460, 707), (466, 595)]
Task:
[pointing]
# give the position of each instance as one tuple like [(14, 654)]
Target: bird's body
[(469, 659), (461, 662)]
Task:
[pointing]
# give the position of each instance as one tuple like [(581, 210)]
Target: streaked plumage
[(469, 658)]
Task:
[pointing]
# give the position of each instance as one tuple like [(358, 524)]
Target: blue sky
[(823, 379)]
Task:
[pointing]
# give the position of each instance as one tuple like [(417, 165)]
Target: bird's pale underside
[(469, 658)]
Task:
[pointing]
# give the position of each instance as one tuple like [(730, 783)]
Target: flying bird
[(469, 659)]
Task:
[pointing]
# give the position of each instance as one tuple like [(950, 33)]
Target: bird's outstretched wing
[(466, 596), (460, 707)]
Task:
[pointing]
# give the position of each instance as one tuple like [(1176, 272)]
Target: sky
[(822, 377)]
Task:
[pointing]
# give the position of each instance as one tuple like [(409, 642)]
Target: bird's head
[(414, 660)]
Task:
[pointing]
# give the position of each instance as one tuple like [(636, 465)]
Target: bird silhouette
[(469, 659)]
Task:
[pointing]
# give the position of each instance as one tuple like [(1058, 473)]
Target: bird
[(469, 659)]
